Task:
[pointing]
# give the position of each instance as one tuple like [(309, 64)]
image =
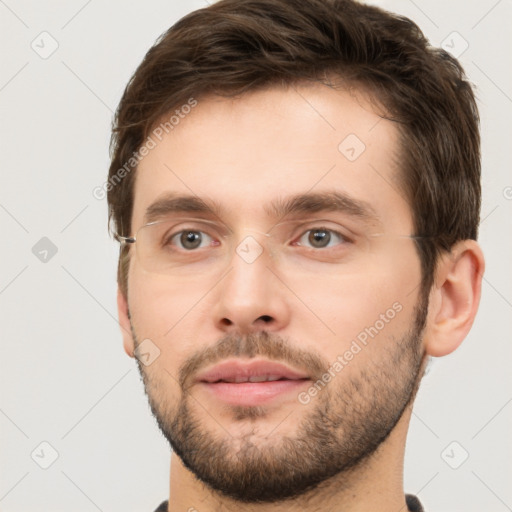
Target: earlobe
[(124, 323), (454, 298)]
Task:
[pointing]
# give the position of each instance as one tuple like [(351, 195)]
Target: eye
[(190, 239), (321, 238)]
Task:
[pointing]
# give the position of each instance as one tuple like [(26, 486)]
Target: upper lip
[(243, 371)]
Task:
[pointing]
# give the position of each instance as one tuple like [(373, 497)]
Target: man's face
[(343, 315)]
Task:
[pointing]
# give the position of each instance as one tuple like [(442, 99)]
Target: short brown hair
[(235, 46)]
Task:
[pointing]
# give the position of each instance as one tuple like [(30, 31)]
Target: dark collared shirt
[(413, 504)]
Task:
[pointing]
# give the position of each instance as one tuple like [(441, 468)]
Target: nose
[(250, 296)]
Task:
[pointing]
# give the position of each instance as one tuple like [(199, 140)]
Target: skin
[(244, 152)]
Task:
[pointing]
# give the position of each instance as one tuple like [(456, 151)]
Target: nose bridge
[(249, 291), (249, 256), (251, 244)]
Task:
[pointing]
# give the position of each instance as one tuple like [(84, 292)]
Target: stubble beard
[(345, 424)]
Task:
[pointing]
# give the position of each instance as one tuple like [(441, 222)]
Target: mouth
[(253, 378), (251, 383)]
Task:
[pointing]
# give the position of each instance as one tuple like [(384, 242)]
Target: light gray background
[(64, 376)]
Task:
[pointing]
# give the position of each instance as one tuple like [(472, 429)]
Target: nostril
[(266, 318)]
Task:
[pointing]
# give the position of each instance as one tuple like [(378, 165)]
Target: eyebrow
[(311, 202)]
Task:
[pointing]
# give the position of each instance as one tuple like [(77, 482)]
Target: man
[(296, 189)]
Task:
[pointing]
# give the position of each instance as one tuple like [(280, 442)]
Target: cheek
[(159, 303), (369, 306), (160, 311)]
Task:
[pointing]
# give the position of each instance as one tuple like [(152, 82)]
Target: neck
[(376, 485)]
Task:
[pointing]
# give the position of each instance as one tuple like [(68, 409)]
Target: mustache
[(262, 343)]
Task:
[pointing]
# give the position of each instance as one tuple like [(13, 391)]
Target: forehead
[(246, 154)]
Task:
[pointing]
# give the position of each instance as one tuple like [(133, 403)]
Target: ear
[(124, 323), (454, 298)]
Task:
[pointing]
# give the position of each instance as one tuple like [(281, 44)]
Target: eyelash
[(343, 238)]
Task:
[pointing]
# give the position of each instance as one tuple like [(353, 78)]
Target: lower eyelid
[(178, 233), (342, 238), (217, 240)]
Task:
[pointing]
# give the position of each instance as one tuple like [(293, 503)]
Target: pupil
[(318, 237), (190, 239)]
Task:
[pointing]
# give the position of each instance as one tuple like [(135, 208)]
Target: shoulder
[(162, 507), (413, 503)]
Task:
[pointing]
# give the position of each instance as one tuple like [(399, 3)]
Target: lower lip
[(253, 393)]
